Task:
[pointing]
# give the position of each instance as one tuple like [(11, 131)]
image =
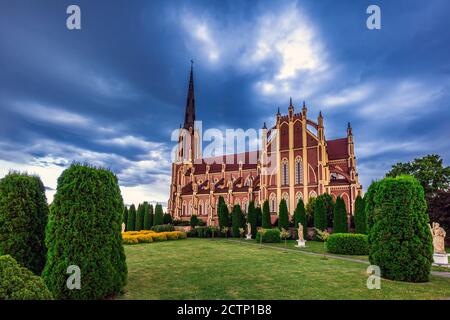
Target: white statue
[(249, 231), (123, 226), (300, 232), (438, 234)]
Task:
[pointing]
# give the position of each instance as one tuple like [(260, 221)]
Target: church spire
[(189, 117)]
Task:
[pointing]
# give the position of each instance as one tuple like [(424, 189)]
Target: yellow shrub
[(145, 238), (130, 240), (172, 235), (161, 236)]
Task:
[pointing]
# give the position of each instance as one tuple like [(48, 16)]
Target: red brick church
[(296, 162)]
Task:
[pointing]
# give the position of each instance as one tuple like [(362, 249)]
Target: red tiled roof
[(337, 149)]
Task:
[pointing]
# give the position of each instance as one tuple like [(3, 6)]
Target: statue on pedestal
[(123, 226), (438, 234), (300, 232), (249, 231)]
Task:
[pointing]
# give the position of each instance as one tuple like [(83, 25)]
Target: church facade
[(295, 162)]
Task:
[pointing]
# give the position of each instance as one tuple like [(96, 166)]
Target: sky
[(111, 93)]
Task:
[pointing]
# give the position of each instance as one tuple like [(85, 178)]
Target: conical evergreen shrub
[(266, 220), (131, 218), (340, 217)]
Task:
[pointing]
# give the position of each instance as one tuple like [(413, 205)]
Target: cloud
[(347, 96)]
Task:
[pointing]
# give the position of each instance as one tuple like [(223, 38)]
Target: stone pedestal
[(301, 244), (248, 237), (440, 258)]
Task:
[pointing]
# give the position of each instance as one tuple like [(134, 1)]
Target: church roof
[(337, 149)]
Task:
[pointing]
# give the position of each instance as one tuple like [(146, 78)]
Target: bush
[(283, 215), (148, 236), (159, 215), (329, 207), (348, 243), (84, 229), (23, 217), (19, 283), (300, 217), (148, 216), (252, 219), (125, 216), (360, 216), (399, 237), (131, 218), (320, 214), (140, 218), (269, 235), (163, 228), (180, 223), (194, 221), (258, 213), (266, 221), (167, 218), (340, 224)]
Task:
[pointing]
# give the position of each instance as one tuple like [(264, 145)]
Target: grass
[(205, 269)]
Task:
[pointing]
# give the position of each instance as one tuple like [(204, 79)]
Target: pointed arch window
[(286, 198), (273, 202), (298, 171), (284, 173)]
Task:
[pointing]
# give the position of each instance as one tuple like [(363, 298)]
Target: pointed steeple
[(264, 126), (189, 117)]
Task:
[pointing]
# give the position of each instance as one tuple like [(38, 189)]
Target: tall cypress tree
[(340, 217), (139, 218), (258, 214), (300, 217), (147, 224), (266, 221), (125, 216), (223, 213), (23, 218), (236, 220), (283, 218), (167, 218), (159, 215), (320, 214), (252, 217), (131, 218), (360, 215), (151, 215)]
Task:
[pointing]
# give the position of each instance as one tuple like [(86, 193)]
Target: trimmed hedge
[(159, 215), (320, 214), (163, 228), (266, 220), (252, 218), (131, 224), (84, 229), (340, 217), (399, 237), (224, 215), (360, 216), (283, 215), (19, 283), (23, 217), (348, 243), (269, 235), (148, 236)]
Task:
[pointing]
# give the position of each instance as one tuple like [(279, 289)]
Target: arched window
[(245, 205), (313, 194), (200, 208), (298, 170), (284, 173), (237, 202), (298, 196), (207, 209), (184, 209), (286, 198), (190, 208), (273, 202)]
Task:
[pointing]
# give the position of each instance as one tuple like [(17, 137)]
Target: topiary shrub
[(148, 216), (252, 219), (269, 235), (125, 216), (399, 238), (266, 220), (19, 283), (258, 214), (167, 218), (340, 217), (236, 220), (320, 214), (194, 221), (131, 218), (159, 215), (140, 213), (360, 216), (84, 229), (348, 243), (163, 228), (283, 215), (23, 217)]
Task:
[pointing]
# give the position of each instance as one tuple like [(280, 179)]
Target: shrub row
[(348, 243), (269, 235), (150, 236), (163, 228)]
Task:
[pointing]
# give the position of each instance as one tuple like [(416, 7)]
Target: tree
[(125, 216), (84, 230), (131, 218), (320, 214), (399, 238), (266, 220), (236, 220), (194, 221), (258, 214), (340, 217), (429, 171), (23, 217), (159, 215), (140, 218), (167, 218), (148, 220), (309, 208), (300, 217), (252, 219), (329, 205), (360, 215), (440, 210), (283, 215), (223, 213)]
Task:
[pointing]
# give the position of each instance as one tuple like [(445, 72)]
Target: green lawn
[(205, 269)]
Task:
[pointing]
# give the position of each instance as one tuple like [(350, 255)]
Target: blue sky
[(111, 93)]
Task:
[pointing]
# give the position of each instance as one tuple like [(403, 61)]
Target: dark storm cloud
[(113, 92)]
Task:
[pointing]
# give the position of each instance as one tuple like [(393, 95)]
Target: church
[(295, 162)]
